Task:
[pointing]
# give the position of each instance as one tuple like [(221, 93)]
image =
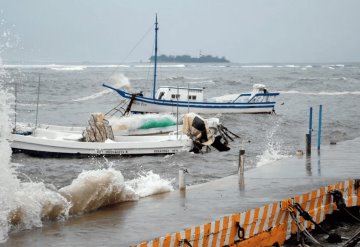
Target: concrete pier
[(134, 222)]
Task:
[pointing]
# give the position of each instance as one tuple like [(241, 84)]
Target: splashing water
[(118, 81), (273, 151), (25, 205), (150, 184)]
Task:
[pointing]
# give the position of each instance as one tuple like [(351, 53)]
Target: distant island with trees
[(189, 59)]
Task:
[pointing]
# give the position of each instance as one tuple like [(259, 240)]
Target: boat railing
[(259, 97)]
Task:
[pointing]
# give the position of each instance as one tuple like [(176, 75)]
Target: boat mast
[(37, 104), (155, 57)]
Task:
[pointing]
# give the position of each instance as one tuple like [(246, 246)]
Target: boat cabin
[(180, 93)]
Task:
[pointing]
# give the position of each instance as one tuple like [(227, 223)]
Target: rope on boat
[(300, 228), (308, 217), (119, 108)]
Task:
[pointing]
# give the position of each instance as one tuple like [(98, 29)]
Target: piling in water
[(182, 185), (241, 167), (308, 144)]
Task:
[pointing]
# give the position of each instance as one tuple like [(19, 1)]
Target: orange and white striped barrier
[(263, 226)]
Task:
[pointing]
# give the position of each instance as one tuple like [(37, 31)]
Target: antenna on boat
[(37, 103), (15, 88), (155, 55), (177, 113)]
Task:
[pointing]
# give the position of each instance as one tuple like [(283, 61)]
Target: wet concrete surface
[(133, 222)]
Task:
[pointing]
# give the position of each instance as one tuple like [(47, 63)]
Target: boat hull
[(141, 104), (52, 147)]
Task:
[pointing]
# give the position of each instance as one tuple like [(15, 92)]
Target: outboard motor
[(198, 130)]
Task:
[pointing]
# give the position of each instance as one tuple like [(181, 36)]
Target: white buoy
[(182, 185)]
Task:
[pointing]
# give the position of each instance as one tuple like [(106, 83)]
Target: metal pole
[(310, 123), (37, 103), (15, 108), (319, 131), (177, 114), (188, 99), (155, 57)]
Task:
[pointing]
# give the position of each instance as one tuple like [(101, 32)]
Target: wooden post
[(308, 144), (182, 185), (310, 124), (241, 169)]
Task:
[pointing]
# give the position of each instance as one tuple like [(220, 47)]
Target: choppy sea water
[(68, 94)]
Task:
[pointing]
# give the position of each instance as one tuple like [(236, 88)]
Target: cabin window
[(161, 95), (175, 96), (193, 97)]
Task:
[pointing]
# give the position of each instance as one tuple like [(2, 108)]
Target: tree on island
[(189, 59)]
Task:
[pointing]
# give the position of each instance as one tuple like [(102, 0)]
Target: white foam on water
[(272, 153), (150, 184), (94, 189), (93, 96), (273, 150), (118, 81), (321, 93), (68, 68), (24, 205), (161, 66), (256, 66)]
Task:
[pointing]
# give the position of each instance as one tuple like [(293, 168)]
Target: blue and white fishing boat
[(184, 99)]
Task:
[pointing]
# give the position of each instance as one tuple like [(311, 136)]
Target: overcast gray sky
[(256, 31)]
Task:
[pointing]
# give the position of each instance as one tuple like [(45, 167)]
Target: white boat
[(56, 143), (98, 139), (184, 99)]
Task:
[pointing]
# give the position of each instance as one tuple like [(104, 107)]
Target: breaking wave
[(118, 81), (25, 205)]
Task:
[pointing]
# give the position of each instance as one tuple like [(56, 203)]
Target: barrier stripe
[(264, 218), (320, 208), (216, 233), (224, 228), (330, 205), (305, 205), (269, 215), (246, 223), (207, 228), (272, 214), (255, 218), (233, 232), (188, 234), (196, 236), (350, 193)]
